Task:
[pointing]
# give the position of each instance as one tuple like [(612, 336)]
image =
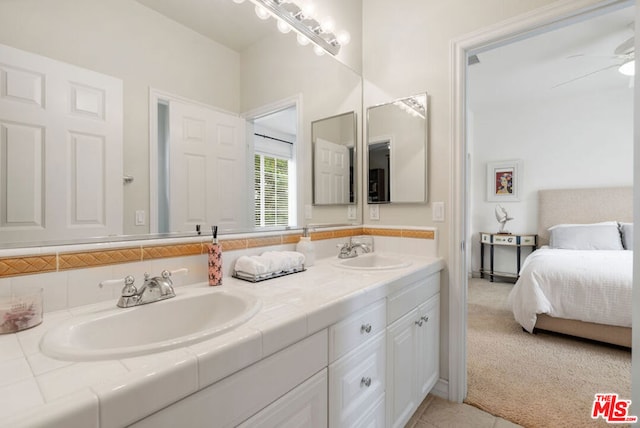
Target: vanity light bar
[(310, 28)]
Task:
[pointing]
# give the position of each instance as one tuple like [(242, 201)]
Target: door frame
[(555, 15)]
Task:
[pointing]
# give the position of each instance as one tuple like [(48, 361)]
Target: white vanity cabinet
[(357, 368), (254, 390), (413, 346)]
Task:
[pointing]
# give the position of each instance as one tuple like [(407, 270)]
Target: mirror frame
[(384, 136), (354, 172)]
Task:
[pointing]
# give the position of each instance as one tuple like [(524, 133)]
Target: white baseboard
[(441, 389)]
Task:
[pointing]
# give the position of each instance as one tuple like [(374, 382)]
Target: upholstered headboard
[(582, 206)]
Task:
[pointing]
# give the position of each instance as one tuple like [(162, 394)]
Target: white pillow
[(596, 236), (626, 230)]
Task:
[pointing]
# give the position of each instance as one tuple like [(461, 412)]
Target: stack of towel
[(270, 262)]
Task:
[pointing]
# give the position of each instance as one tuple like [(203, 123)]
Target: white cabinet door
[(428, 335), (303, 407), (401, 370)]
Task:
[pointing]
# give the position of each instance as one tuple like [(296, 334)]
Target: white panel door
[(206, 168), (331, 171), (60, 150), (428, 346)]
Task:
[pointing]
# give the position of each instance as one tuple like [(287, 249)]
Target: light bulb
[(238, 1), (262, 12), (308, 9), (283, 27), (318, 50), (328, 25), (344, 37), (628, 68), (302, 40)]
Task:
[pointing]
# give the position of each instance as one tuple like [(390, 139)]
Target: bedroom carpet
[(540, 380)]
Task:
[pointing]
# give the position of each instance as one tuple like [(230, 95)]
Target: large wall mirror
[(334, 160), (397, 151), (142, 64)]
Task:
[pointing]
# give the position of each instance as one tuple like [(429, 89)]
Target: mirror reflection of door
[(379, 172), (332, 172)]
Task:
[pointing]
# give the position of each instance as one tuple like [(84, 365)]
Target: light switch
[(351, 212), (374, 212), (140, 218), (438, 211), (308, 212)]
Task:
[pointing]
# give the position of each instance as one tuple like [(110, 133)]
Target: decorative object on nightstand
[(516, 241), (502, 217)]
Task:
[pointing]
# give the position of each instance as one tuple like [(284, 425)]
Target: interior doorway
[(555, 16)]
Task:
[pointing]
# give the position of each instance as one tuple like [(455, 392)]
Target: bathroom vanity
[(331, 346)]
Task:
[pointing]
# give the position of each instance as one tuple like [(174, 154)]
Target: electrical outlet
[(308, 212), (374, 212)]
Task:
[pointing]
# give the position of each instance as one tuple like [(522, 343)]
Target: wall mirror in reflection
[(334, 155), (397, 151)]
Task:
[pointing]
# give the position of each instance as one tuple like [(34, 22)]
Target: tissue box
[(20, 311)]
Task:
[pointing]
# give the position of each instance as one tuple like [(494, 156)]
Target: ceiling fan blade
[(625, 47), (586, 75)]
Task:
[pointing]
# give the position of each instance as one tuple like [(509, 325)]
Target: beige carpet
[(539, 380)]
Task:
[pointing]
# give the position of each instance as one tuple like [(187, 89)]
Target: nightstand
[(516, 241)]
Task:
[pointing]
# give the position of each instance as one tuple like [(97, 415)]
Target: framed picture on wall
[(503, 181)]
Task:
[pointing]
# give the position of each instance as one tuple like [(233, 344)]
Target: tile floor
[(435, 412)]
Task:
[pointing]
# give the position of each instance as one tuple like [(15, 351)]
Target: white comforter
[(592, 286)]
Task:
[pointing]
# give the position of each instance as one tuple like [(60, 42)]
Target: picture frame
[(504, 181)]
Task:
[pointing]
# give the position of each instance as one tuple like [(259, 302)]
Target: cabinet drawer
[(352, 332), (528, 240), (356, 381), (303, 406), (411, 296)]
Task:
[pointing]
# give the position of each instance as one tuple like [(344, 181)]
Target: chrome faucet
[(152, 290), (349, 249)]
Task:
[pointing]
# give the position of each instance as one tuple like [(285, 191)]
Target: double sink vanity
[(346, 343)]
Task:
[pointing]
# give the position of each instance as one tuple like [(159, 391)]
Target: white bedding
[(592, 286)]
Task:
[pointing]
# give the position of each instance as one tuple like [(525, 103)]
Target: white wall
[(585, 141), (275, 69), (406, 45)]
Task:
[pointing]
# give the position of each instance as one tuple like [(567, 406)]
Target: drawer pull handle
[(419, 322), (365, 328), (365, 381)]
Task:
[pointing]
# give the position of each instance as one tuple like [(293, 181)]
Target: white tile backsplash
[(72, 288), (83, 287)]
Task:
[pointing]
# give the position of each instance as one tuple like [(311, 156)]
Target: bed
[(580, 283)]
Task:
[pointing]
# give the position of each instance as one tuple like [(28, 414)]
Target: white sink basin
[(374, 261), (193, 315)]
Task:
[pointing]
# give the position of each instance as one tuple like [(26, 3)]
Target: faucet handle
[(129, 289)]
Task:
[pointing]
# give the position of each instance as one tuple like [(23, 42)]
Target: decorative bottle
[(215, 259)]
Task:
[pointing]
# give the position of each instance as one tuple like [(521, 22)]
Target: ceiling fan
[(624, 56)]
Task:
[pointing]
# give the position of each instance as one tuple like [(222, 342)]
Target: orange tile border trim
[(29, 265)]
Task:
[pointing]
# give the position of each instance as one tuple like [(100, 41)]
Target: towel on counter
[(269, 262), (254, 265)]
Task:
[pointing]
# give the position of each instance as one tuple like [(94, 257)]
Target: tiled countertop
[(36, 390)]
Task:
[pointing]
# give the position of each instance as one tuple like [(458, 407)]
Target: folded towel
[(253, 265), (284, 260), (269, 262)]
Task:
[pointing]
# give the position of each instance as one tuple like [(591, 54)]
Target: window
[(271, 186)]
